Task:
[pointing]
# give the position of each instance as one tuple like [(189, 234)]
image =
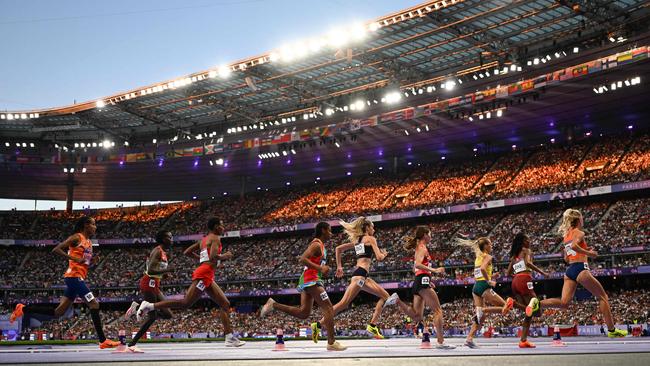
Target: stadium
[(435, 141)]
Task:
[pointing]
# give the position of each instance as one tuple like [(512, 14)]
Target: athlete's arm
[(419, 256), (340, 249), (486, 262), (312, 251), (71, 241), (578, 249), (154, 263), (510, 269), (531, 265), (214, 249), (191, 250), (380, 254)]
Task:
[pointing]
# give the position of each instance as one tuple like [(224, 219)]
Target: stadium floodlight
[(7, 144), (82, 145), (576, 49), (338, 37), (406, 132), (65, 170), (100, 104), (212, 74), (224, 71), (71, 170), (471, 119), (358, 31), (31, 144), (126, 143), (536, 61), (219, 161), (337, 144), (83, 170), (499, 113), (154, 141), (374, 26), (393, 97), (359, 105)]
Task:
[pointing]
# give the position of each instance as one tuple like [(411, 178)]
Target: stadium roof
[(417, 46), (411, 51)]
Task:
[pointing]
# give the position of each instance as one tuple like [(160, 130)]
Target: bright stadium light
[(224, 71), (100, 104)]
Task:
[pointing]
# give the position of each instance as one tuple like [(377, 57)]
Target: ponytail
[(356, 229), (476, 245), (410, 242), (570, 219)]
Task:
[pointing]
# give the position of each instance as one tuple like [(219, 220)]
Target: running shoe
[(133, 349), (375, 331), (444, 346), (315, 332), (507, 306), (267, 308), (144, 308), (336, 346), (132, 309), (526, 344), (392, 300), (532, 307), (617, 333), (17, 313), (471, 344), (108, 344), (232, 341)]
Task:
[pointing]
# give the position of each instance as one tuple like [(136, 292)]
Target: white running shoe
[(267, 308), (144, 308), (134, 349), (444, 346), (392, 300), (233, 341), (132, 309)]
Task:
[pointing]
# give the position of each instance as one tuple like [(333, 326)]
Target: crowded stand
[(520, 173)]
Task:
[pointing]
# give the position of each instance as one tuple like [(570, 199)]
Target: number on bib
[(359, 249), (569, 250), (204, 256), (477, 273), (200, 285), (361, 282), (152, 283), (530, 285), (323, 296), (586, 266), (425, 280), (519, 266), (89, 297)]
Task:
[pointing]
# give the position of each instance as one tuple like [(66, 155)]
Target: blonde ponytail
[(476, 245), (355, 229), (570, 218)]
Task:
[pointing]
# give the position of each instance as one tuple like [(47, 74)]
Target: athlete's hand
[(325, 270), (339, 272), (545, 274), (492, 283), (439, 270), (78, 260), (592, 254), (226, 256)]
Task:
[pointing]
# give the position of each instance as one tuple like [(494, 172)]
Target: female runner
[(157, 265), (311, 286), (80, 257), (423, 292)]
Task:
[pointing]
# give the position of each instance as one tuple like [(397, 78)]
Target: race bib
[(323, 296), (361, 282), (204, 256), (89, 297), (200, 285), (478, 273), (519, 266), (530, 285), (152, 283), (359, 249), (586, 266), (569, 250), (425, 280)]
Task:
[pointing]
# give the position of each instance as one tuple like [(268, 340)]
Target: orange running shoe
[(17, 313), (526, 344), (507, 306), (108, 344)]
